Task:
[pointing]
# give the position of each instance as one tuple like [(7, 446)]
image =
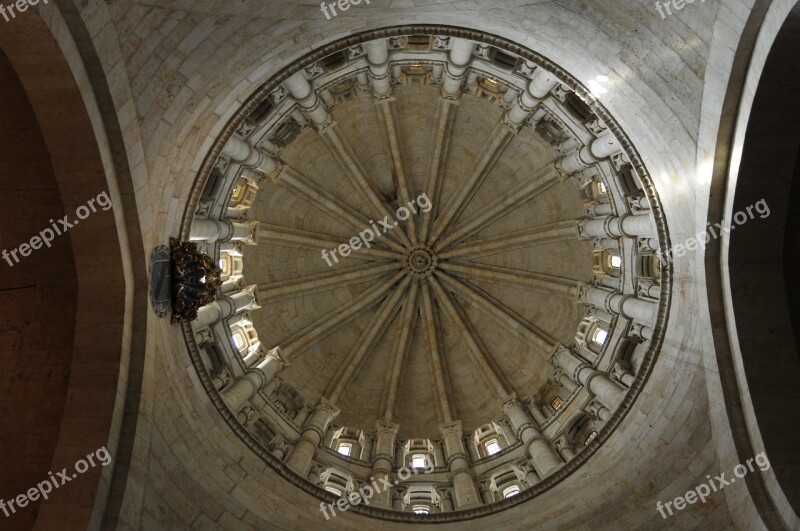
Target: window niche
[(607, 262), (592, 335), (418, 454), (242, 197), (344, 441), (506, 482), (336, 481), (491, 439)]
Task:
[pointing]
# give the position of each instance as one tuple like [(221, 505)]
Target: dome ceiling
[(450, 366), (434, 248)]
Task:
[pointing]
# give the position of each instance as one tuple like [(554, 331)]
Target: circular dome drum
[(441, 269)]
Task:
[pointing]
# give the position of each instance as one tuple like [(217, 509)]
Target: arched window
[(421, 509), (513, 490), (614, 261), (333, 490), (419, 461)]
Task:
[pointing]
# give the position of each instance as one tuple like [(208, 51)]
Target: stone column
[(463, 484), (565, 451), (212, 230), (459, 58), (507, 432), (630, 307), (446, 501), (278, 446), (486, 493), (509, 97), (330, 435), (531, 477), (603, 413), (600, 314), (397, 499), (607, 391), (226, 307), (601, 209), (383, 460), (315, 428), (301, 91), (245, 154), (302, 415), (609, 282), (536, 413), (366, 441), (641, 331), (600, 148), (540, 86), (379, 74), (472, 450), (438, 455), (254, 356), (626, 378), (246, 386), (542, 455), (628, 226), (653, 291), (566, 382), (314, 473)]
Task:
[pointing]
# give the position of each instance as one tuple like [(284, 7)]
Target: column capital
[(249, 302), (386, 428), (510, 401), (277, 354), (327, 406), (448, 428), (559, 351), (365, 437)]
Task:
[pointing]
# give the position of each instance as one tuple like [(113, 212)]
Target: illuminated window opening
[(334, 490), (421, 509), (590, 438), (419, 461), (345, 449), (599, 336), (238, 341), (492, 447), (556, 403), (513, 490), (615, 261)]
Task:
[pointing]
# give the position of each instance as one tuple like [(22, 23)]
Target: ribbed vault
[(505, 311), (490, 280)]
